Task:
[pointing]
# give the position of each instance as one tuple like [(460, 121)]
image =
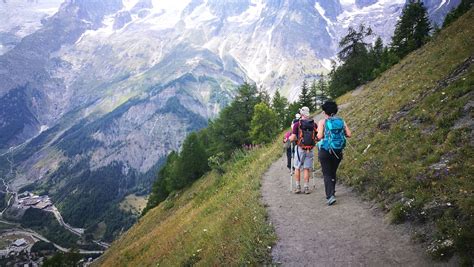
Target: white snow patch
[(170, 5), (199, 15), (351, 13), (43, 128), (441, 4), (348, 4), (23, 18), (193, 61), (165, 14), (129, 4), (327, 63), (322, 12), (252, 14)]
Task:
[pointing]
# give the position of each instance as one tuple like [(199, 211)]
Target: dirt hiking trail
[(349, 233)]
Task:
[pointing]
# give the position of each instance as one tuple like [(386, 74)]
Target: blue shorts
[(303, 158)]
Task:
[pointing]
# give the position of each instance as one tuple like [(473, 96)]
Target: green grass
[(218, 221), (406, 116), (419, 164)]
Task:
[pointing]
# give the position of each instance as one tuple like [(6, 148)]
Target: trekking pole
[(291, 169)]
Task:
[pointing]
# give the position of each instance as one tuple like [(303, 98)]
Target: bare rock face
[(141, 5), (87, 101), (121, 18), (364, 3)]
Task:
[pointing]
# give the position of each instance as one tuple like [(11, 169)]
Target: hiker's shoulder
[(296, 125)]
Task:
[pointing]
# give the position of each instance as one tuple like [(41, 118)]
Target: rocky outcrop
[(111, 97), (121, 18)]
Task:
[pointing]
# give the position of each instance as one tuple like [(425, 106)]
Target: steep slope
[(413, 143), (21, 18), (104, 90), (417, 119), (218, 221)]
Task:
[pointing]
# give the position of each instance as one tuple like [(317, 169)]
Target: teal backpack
[(334, 135)]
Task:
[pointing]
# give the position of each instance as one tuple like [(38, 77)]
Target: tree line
[(253, 118), (250, 119), (362, 62)]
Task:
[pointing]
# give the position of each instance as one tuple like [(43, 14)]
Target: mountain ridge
[(401, 166), (124, 90)]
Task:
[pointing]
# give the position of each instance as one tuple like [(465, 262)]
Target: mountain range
[(95, 94)]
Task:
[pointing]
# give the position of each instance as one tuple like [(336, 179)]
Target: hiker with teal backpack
[(304, 133), (332, 134)]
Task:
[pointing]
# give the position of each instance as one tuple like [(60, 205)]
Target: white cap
[(304, 111)]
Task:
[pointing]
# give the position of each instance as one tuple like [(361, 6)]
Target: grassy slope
[(219, 220), (419, 164)]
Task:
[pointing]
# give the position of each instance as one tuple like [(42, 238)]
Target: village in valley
[(27, 200), (16, 243), (24, 247)]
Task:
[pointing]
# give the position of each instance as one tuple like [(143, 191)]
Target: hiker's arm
[(292, 137), (321, 129), (348, 131), (294, 130)]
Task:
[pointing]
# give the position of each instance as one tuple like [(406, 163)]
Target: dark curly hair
[(330, 108)]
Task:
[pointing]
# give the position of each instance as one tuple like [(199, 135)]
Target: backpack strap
[(300, 133)]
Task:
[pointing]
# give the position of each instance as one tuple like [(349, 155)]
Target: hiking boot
[(331, 200), (298, 189), (306, 190)]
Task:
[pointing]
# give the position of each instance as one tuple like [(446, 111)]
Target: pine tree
[(357, 66), (377, 55), (455, 13), (377, 52), (280, 107), (231, 129), (314, 95), (412, 30), (304, 98), (322, 89), (263, 96), (353, 45), (263, 126), (293, 108), (193, 158)]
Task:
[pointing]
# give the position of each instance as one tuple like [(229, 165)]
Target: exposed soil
[(349, 233)]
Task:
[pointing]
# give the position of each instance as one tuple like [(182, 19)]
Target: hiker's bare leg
[(297, 175), (306, 176)]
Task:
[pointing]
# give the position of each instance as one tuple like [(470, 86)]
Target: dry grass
[(133, 203), (408, 116), (220, 220), (217, 221)]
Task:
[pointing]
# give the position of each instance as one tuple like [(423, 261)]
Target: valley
[(96, 94), (26, 200)]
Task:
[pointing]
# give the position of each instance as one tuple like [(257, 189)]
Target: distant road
[(57, 214), (42, 238), (13, 195)]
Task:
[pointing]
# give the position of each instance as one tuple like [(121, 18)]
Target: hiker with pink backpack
[(288, 145)]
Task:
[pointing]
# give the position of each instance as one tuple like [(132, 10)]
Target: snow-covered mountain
[(103, 90), (19, 18)]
